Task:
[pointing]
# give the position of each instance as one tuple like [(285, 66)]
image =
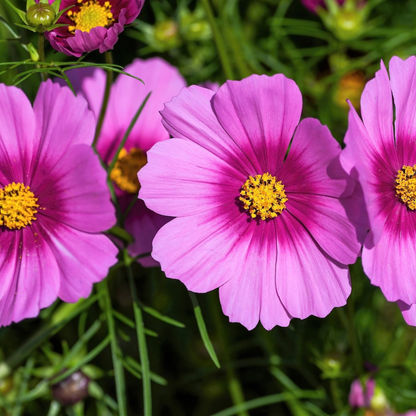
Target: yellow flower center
[(406, 186), (91, 14), (124, 173), (263, 196), (17, 206)]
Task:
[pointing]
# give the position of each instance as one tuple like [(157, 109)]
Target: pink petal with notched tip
[(309, 282)]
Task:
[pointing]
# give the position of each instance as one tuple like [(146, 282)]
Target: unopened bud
[(348, 24), (71, 390), (40, 15), (166, 31)]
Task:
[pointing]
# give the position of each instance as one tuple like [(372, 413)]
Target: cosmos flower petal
[(391, 263), (308, 281), (17, 135), (190, 116), (88, 207), (260, 113), (144, 224), (198, 180), (375, 174), (408, 312), (83, 258), (148, 129), (327, 222), (256, 284), (225, 246), (30, 275), (59, 115), (377, 113), (86, 41), (403, 79), (212, 246), (316, 162)]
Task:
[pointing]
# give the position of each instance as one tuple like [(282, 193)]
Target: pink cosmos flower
[(164, 81), (270, 231), (92, 24), (357, 397), (54, 202), (313, 5), (384, 161)]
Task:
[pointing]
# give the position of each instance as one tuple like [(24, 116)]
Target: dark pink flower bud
[(71, 390)]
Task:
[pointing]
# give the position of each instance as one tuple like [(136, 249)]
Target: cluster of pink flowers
[(245, 197)]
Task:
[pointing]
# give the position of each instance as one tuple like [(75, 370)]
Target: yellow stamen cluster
[(406, 186), (263, 196), (124, 173), (91, 14), (17, 206)]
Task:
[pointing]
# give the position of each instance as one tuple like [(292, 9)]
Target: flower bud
[(40, 15), (71, 390), (166, 31), (348, 24)]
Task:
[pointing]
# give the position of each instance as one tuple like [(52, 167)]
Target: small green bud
[(348, 25), (166, 31), (40, 16)]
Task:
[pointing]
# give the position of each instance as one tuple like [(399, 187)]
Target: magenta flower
[(92, 24), (384, 161), (54, 202), (126, 96), (271, 232), (313, 5), (357, 397)]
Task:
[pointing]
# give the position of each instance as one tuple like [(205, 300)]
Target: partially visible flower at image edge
[(54, 202), (313, 5), (373, 399), (164, 82), (270, 231), (92, 24), (383, 159)]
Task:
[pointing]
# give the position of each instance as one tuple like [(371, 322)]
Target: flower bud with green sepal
[(40, 16), (346, 21)]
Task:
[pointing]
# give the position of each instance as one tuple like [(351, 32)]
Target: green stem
[(226, 65), (127, 134), (41, 51), (108, 83), (117, 362), (352, 333), (141, 339), (234, 385), (333, 383)]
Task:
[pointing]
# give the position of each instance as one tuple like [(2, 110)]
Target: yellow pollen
[(91, 14), (17, 206), (406, 186), (124, 173), (263, 196)]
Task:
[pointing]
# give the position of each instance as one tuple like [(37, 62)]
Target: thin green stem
[(127, 134), (225, 62), (352, 333), (141, 339), (41, 51), (108, 83), (117, 362), (234, 385), (333, 383)]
